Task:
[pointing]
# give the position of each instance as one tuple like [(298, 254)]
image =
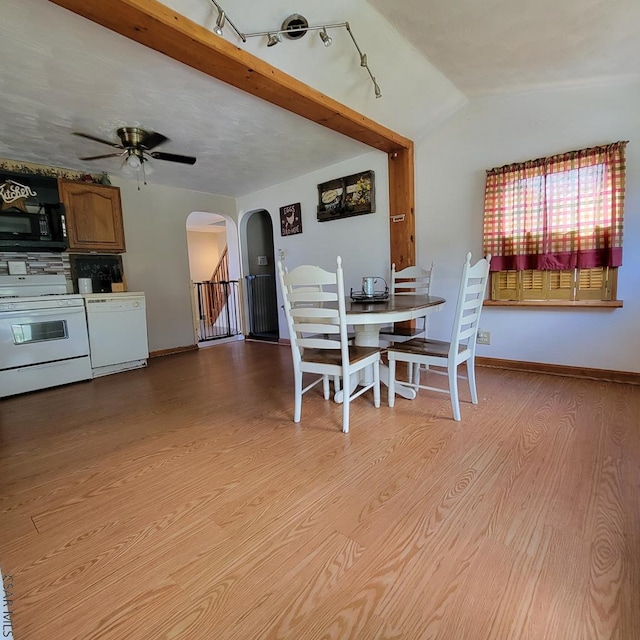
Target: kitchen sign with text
[(290, 219)]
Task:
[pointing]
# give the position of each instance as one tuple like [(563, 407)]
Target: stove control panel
[(42, 302)]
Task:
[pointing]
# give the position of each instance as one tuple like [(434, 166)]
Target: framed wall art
[(345, 197), (290, 219)]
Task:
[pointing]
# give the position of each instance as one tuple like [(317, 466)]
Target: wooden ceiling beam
[(160, 28), (157, 26)]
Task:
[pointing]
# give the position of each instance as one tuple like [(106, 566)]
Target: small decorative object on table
[(369, 292)]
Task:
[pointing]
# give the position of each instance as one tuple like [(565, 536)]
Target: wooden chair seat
[(427, 347), (356, 354)]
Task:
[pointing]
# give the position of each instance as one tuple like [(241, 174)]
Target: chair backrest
[(316, 317), (473, 286), (415, 280)]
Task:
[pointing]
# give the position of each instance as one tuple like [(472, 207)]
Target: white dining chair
[(336, 379), (450, 355), (316, 318), (411, 280)]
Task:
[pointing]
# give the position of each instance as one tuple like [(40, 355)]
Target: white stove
[(43, 334)]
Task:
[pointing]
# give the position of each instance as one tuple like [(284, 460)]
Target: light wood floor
[(182, 502)]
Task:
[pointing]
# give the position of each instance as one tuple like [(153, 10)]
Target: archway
[(214, 267), (258, 262)]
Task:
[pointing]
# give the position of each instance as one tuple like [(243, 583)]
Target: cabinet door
[(93, 216)]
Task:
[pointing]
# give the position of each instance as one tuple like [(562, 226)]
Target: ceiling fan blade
[(153, 140), (172, 157), (108, 155), (86, 135)]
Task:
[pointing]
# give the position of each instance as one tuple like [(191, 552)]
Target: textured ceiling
[(61, 73), (494, 46)]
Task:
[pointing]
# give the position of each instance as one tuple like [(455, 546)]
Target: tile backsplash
[(38, 263)]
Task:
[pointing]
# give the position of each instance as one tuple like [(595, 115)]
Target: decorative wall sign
[(345, 197), (11, 190), (290, 219), (13, 194)]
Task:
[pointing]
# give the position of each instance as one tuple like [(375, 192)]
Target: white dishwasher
[(117, 324)]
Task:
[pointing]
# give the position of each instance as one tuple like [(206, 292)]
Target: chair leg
[(392, 382), (345, 410), (409, 373), (297, 410), (336, 384), (376, 386), (453, 391), (416, 374), (471, 375), (325, 387)]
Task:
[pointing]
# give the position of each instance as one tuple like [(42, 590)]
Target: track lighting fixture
[(294, 27), (273, 39), (219, 23), (223, 19), (325, 37)]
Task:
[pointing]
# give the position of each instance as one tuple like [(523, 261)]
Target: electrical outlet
[(484, 337)]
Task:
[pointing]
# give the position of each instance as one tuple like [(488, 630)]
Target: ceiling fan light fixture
[(325, 37), (136, 148), (133, 161), (147, 167), (127, 170)]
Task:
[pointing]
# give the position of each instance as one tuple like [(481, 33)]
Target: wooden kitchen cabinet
[(93, 216)]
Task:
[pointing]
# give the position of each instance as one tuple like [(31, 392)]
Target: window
[(554, 226)]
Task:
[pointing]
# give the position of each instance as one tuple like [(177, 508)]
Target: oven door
[(44, 335)]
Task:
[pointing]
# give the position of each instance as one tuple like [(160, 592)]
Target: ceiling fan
[(136, 147)]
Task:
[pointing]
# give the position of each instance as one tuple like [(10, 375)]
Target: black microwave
[(42, 230)]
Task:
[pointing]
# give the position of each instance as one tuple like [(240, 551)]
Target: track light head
[(363, 60), (273, 39), (220, 20), (376, 89), (325, 37)]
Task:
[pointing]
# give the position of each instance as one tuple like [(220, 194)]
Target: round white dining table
[(369, 317)]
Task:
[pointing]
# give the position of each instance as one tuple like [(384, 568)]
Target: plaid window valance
[(561, 212)]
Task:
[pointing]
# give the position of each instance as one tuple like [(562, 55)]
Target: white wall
[(450, 178), (362, 241), (157, 260), (204, 249)]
